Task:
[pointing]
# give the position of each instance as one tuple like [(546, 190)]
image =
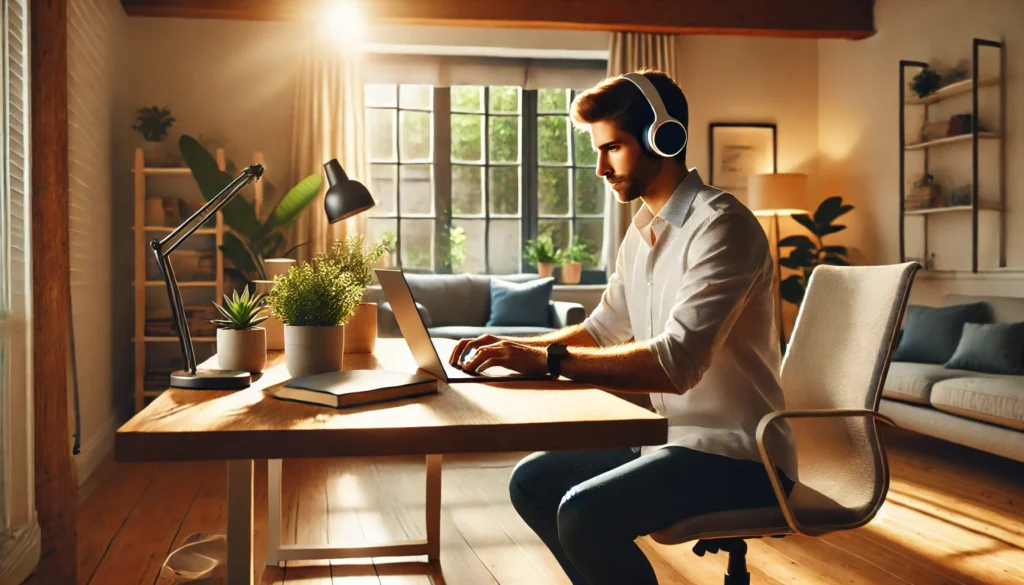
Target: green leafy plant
[(257, 238), (241, 311), (540, 250), (153, 123), (578, 251), (806, 254), (925, 83), (357, 259), (317, 294)]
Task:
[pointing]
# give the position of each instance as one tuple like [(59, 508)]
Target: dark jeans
[(589, 506)]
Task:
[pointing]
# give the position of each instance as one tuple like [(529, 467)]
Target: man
[(688, 318)]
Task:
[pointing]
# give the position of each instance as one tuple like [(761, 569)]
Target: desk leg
[(240, 522), (433, 507), (273, 512)]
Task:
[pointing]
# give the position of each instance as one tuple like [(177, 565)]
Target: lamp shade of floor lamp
[(774, 195)]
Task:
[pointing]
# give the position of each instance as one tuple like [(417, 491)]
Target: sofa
[(979, 410), (456, 306)]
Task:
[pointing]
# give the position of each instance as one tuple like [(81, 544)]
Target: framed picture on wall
[(738, 150)]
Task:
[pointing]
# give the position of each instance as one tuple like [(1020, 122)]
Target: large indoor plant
[(541, 252), (572, 259), (314, 301), (252, 240), (807, 253), (358, 260), (153, 123), (241, 345)]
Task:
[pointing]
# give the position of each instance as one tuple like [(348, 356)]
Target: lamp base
[(211, 380)]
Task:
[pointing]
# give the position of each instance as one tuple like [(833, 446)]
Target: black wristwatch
[(556, 353)]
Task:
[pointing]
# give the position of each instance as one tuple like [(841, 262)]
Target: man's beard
[(636, 186)]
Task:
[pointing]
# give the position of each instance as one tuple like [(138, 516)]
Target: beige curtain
[(329, 123), (629, 52)]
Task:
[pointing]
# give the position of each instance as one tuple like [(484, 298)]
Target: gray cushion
[(912, 382), (993, 399), (996, 348), (453, 299), (1004, 309), (931, 334), (464, 332)]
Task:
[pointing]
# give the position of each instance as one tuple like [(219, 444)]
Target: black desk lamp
[(345, 197), (192, 377)]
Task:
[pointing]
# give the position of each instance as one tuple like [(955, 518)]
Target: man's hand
[(464, 344), (522, 358)]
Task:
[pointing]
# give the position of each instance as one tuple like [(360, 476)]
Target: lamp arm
[(162, 249)]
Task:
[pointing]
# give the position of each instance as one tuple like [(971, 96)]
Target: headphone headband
[(663, 136)]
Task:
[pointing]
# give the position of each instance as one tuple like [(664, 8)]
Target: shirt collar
[(677, 208)]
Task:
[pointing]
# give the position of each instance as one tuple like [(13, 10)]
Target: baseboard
[(96, 450), (19, 554)]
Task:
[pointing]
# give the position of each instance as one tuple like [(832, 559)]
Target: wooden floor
[(953, 515)]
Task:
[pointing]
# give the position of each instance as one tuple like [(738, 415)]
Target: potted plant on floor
[(241, 345), (541, 252), (153, 123), (314, 302), (358, 260), (572, 259)]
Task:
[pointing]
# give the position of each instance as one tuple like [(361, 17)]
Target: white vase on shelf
[(155, 153)]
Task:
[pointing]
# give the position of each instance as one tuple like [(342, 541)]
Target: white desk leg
[(433, 507), (273, 512), (240, 495)]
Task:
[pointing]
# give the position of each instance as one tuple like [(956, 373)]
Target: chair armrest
[(387, 325), (769, 466), (564, 313)]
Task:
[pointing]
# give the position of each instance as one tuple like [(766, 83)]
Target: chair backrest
[(838, 358)]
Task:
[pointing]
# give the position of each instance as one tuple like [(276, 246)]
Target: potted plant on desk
[(314, 302), (241, 345), (358, 260)]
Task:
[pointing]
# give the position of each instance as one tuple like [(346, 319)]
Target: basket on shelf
[(921, 197)]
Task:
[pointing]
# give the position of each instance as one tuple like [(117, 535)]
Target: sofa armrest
[(387, 326), (564, 313)]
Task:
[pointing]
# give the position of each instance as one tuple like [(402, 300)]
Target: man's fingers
[(482, 355), (457, 352)]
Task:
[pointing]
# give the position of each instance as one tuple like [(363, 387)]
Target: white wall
[(858, 132), (95, 30)]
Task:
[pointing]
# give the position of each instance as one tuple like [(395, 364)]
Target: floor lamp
[(775, 195)]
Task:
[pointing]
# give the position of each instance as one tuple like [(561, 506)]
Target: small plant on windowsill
[(241, 345), (807, 253), (573, 258), (541, 252)]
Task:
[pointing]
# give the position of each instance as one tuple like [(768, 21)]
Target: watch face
[(557, 349)]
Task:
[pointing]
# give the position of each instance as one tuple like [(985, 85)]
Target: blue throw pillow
[(931, 334), (526, 304), (996, 349)]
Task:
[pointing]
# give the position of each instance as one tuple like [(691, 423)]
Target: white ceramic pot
[(154, 153), (277, 266), (242, 349), (571, 273), (273, 325), (313, 350), (545, 269), (361, 329)]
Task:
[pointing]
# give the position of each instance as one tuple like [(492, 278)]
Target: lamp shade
[(345, 197), (777, 193)]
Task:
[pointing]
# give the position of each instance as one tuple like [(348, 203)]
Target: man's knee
[(577, 517), (524, 486)]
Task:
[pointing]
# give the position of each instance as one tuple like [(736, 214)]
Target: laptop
[(398, 294)]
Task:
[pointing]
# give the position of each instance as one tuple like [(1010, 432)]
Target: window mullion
[(529, 205), (398, 177), (485, 129), (441, 157)]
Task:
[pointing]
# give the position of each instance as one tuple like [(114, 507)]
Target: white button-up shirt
[(701, 295)]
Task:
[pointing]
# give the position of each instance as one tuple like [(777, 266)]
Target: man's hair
[(621, 101)]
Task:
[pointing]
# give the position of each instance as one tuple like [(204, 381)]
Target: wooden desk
[(240, 426)]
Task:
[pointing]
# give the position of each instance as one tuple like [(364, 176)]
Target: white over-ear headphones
[(666, 136)]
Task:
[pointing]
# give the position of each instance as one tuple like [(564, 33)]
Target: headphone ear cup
[(669, 138)]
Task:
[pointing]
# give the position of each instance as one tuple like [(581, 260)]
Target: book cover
[(355, 387)]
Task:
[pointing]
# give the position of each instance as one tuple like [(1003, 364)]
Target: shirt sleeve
[(609, 323), (727, 260)]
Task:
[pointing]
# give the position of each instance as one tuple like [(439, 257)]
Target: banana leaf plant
[(807, 253), (251, 239)]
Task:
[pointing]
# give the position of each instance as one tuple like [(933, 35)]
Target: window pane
[(417, 192), (504, 190), (380, 95), (473, 255), (382, 187), (467, 190), (585, 154), (552, 100), (504, 137), (553, 191), (592, 231), (376, 228), (381, 126), (415, 136), (415, 96), (558, 229), (553, 139), (505, 246), (589, 192), (467, 137), (505, 99), (418, 244), (466, 98)]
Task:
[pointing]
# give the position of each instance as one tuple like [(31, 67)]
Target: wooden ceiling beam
[(851, 19)]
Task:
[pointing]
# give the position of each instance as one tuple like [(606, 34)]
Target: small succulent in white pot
[(241, 345)]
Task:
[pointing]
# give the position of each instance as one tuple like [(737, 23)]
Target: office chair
[(832, 378)]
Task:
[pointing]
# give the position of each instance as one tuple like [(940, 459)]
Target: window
[(463, 176)]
